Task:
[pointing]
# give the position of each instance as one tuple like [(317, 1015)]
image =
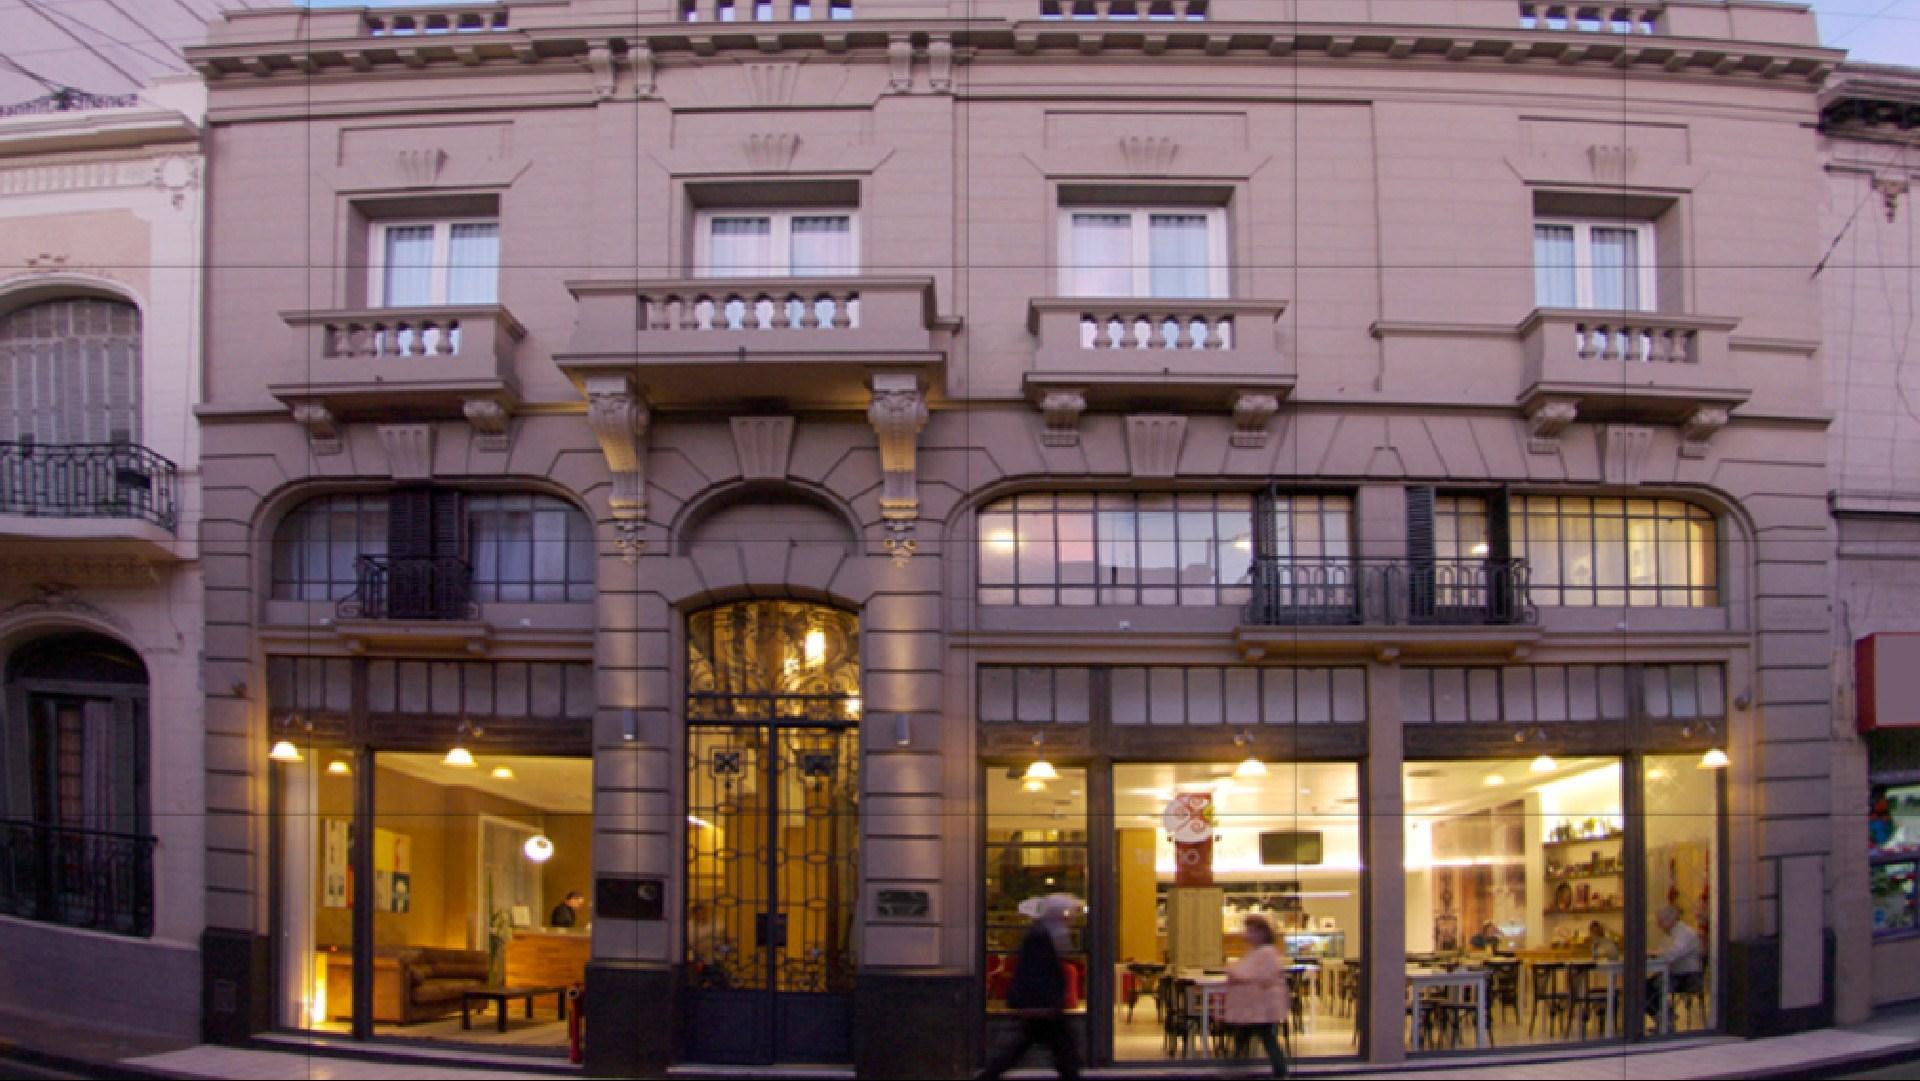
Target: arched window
[(70, 372), (73, 786), (521, 546)]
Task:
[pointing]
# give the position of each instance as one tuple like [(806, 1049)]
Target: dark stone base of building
[(235, 998), (912, 1026), (632, 1015), (1752, 988)]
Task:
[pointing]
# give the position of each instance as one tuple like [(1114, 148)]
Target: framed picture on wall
[(335, 891)]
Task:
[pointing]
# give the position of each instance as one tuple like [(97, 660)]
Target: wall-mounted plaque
[(902, 904), (630, 898)]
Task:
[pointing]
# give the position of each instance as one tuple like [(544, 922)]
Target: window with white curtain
[(424, 264), (1161, 252), (1593, 264), (777, 243)]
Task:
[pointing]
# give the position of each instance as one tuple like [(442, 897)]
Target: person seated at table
[(1682, 955), (1605, 946), (1487, 938), (1257, 992)]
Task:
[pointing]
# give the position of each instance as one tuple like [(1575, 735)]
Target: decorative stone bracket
[(323, 428), (938, 55), (1061, 410), (898, 413), (1545, 423), (1624, 450), (409, 450), (1154, 442), (619, 417), (1252, 409), (489, 420), (1699, 427)]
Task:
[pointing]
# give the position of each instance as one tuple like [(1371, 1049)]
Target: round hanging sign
[(1185, 818)]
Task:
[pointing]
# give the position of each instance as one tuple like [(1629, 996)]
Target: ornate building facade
[(814, 477)]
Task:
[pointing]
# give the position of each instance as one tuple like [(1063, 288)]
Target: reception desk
[(548, 958)]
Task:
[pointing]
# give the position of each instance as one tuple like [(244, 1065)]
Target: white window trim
[(782, 219), (442, 244), (1583, 257), (1218, 272)]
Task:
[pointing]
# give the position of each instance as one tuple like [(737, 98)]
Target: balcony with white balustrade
[(1127, 353), (1638, 367)]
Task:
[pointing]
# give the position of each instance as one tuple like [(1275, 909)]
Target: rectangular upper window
[(1166, 253), (424, 264), (1580, 263), (777, 243), (1082, 548), (1583, 551)]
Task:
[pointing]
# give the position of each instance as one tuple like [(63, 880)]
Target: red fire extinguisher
[(576, 1023)]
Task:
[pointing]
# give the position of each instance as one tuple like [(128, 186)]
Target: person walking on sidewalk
[(1038, 995), (1257, 992)]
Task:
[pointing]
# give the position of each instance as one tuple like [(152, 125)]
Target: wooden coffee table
[(501, 996)]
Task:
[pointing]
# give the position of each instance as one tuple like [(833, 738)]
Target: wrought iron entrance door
[(773, 832), (772, 878)]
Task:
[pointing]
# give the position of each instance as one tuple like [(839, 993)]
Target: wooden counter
[(548, 958)]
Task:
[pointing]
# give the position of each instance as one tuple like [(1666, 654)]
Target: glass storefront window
[(1036, 846), (1515, 902), (1683, 889), (482, 876), (1283, 845)]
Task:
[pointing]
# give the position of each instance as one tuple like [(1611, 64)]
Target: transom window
[(1585, 551), (422, 264), (1460, 528), (1169, 253), (777, 243), (522, 546), (1593, 264), (1309, 528), (1084, 548)]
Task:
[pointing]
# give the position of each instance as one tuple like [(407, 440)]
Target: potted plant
[(499, 933)]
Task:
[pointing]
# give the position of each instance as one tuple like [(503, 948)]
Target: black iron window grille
[(88, 480), (422, 587), (89, 879)]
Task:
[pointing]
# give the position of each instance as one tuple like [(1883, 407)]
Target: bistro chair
[(1693, 1001), (1548, 992), (1503, 989), (1144, 981), (1587, 995), (1177, 1025)]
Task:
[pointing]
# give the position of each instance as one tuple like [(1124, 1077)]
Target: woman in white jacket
[(1257, 993)]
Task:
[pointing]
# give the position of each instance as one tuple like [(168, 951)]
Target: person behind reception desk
[(565, 913)]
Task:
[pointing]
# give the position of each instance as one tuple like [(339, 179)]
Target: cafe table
[(1472, 981), (1614, 971), (1212, 992)]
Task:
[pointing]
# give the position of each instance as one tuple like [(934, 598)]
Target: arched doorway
[(73, 786), (772, 871)]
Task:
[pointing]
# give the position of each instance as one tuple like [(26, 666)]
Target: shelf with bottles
[(1567, 834), (1597, 910)]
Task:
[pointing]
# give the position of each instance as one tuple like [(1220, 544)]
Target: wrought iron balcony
[(83, 878), (88, 480), (1291, 592), (437, 588)]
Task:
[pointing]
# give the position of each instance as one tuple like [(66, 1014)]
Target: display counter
[(548, 958)]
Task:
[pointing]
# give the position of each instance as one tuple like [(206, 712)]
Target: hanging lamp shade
[(1042, 770), (460, 758), (1715, 758), (284, 751)]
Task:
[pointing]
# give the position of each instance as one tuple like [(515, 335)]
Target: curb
[(85, 1067)]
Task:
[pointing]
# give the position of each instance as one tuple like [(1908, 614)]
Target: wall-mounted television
[(1292, 847)]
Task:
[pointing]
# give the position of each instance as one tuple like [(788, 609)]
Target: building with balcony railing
[(817, 477), (102, 839)]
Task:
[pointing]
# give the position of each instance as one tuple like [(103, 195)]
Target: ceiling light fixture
[(339, 768), (503, 773), (459, 757), (539, 848), (1250, 766), (1040, 770), (285, 751)]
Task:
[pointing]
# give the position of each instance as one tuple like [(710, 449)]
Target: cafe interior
[(1514, 890), (482, 882)]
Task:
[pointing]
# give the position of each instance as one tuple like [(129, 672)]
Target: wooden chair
[(1587, 999), (1177, 1026), (1503, 990), (1550, 993)]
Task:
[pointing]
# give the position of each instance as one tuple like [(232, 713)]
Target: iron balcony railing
[(1291, 592), (436, 587), (88, 480), (83, 878)]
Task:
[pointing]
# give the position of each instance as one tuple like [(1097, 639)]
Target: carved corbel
[(641, 58), (600, 61), (619, 417), (1154, 442), (900, 64), (1890, 189), (898, 413), (940, 65), (409, 450), (489, 421), (1624, 449), (1252, 409), (1061, 410), (323, 429), (1547, 421), (764, 445), (1699, 428)]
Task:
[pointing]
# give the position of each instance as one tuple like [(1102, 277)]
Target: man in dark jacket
[(1038, 995)]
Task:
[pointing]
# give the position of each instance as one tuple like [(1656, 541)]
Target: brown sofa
[(432, 981)]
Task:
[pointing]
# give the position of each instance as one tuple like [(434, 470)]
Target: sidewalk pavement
[(1889, 1037)]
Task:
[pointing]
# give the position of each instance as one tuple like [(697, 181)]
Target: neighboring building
[(1870, 145), (814, 476), (102, 846)]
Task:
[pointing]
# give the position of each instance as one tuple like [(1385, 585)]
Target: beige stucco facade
[(1377, 180), (105, 202)]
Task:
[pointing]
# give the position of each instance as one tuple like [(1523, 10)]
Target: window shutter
[(1499, 526), (1420, 552), (448, 525), (410, 523)]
